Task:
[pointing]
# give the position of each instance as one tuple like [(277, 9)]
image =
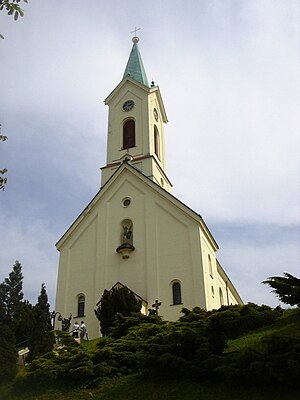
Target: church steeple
[(136, 124), (135, 67)]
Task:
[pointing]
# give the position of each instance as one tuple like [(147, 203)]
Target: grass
[(288, 324), (137, 387), (90, 345)]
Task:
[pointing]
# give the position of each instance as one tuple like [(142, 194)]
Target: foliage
[(230, 322), (14, 284), (117, 300), (69, 362), (16, 312), (8, 354), (276, 360), (286, 287), (42, 337), (122, 324), (148, 388), (3, 181), (177, 350), (196, 316), (10, 302), (12, 7), (188, 348), (24, 324)]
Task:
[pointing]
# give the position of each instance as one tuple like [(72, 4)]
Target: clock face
[(155, 113), (128, 105)]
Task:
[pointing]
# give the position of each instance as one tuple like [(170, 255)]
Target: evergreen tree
[(117, 300), (8, 354), (14, 284), (3, 304), (286, 287), (18, 311), (42, 338), (24, 324)]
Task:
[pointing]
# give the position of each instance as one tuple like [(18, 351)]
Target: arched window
[(129, 134), (81, 304), (156, 141), (213, 292), (221, 297), (176, 291), (210, 266)]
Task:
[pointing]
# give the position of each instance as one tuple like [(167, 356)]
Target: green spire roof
[(135, 68)]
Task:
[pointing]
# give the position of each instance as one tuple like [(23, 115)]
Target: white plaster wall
[(142, 113), (167, 247)]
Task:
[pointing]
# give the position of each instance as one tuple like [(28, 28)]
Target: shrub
[(68, 363), (277, 362), (122, 324)]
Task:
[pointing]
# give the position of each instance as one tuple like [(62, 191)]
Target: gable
[(125, 85), (119, 285), (126, 174)]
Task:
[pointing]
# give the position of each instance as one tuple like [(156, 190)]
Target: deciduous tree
[(4, 170), (12, 7)]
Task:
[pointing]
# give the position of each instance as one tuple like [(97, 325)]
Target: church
[(134, 232)]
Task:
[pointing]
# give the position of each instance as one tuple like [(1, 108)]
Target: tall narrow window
[(81, 304), (210, 266), (221, 297), (156, 141), (129, 134), (176, 289)]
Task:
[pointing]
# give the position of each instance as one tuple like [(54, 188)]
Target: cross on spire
[(135, 30)]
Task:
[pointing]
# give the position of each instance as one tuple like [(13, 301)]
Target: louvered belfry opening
[(129, 134)]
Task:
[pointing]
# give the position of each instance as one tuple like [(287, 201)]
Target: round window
[(126, 202)]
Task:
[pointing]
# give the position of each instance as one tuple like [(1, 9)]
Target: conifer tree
[(286, 287), (18, 311), (8, 354), (14, 284), (117, 300), (24, 324), (42, 338)]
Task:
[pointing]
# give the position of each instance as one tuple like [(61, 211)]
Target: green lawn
[(288, 324), (136, 387)]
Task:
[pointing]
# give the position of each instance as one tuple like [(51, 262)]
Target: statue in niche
[(126, 246), (127, 234)]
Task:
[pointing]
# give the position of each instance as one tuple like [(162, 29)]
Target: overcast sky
[(228, 71)]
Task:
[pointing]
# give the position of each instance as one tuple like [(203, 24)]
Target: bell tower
[(136, 124)]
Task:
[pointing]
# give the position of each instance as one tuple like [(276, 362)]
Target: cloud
[(32, 245), (250, 253), (228, 73)]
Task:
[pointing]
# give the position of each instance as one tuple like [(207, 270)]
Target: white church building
[(134, 232)]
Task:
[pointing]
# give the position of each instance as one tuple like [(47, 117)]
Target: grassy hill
[(288, 326), (147, 387), (136, 387)]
